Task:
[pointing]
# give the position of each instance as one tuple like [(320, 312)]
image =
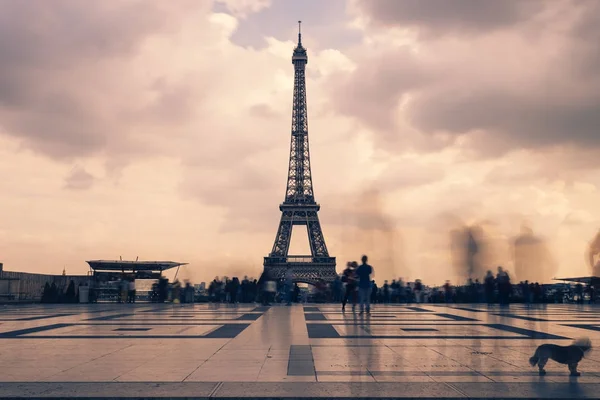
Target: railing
[(299, 259)]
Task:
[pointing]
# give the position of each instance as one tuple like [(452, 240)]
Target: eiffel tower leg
[(284, 234), (315, 236)]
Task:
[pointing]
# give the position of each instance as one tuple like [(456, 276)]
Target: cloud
[(113, 83), (409, 172), (243, 8), (487, 91), (247, 193), (457, 16), (79, 179)]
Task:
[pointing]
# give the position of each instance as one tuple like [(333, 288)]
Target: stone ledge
[(295, 390)]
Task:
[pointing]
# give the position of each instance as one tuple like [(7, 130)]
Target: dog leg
[(541, 365), (573, 369)]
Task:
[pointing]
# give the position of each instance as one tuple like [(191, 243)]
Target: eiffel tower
[(299, 206)]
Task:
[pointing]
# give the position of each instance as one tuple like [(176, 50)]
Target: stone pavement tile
[(171, 376), (528, 390), (31, 374), (337, 390), (232, 364), (244, 355), (566, 378), (279, 371), (387, 365), (221, 376), (107, 389), (495, 365), (88, 375), (345, 378), (218, 373), (286, 378), (274, 367), (461, 378), (334, 365), (402, 378), (364, 353), (517, 378), (149, 373), (337, 358)]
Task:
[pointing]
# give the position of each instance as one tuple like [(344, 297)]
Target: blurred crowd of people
[(163, 291), (355, 286), (264, 290), (494, 289)]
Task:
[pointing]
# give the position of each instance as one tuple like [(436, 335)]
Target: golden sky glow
[(161, 130)]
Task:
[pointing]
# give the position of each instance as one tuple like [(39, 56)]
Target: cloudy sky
[(161, 130)]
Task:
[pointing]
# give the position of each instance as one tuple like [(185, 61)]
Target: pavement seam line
[(94, 359), (456, 389), (215, 389), (204, 362)]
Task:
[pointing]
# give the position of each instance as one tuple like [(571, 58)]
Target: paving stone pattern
[(456, 350)]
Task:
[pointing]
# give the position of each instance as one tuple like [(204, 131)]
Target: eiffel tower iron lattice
[(299, 206)]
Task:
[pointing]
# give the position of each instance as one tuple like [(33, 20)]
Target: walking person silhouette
[(349, 279), (364, 273)]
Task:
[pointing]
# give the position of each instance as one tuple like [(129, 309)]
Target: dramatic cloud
[(70, 84), (491, 76), (456, 16)]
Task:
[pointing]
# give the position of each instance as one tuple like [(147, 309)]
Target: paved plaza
[(313, 350)]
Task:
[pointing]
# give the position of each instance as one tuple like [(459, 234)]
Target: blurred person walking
[(364, 273), (349, 279)]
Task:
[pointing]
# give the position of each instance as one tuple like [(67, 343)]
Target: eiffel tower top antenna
[(299, 33)]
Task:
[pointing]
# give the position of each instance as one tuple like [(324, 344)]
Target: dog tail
[(585, 344), (534, 360)]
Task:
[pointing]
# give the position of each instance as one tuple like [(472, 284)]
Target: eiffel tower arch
[(299, 206)]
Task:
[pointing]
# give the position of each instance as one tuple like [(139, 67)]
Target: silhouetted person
[(386, 292), (289, 286), (363, 273), (123, 290), (503, 283), (296, 292), (337, 289), (189, 293), (70, 294), (254, 290), (579, 292), (401, 291), (374, 292), (409, 293), (477, 291), (447, 292), (163, 289), (131, 291), (54, 293), (418, 291), (349, 279), (489, 287), (268, 287), (234, 288), (526, 292)]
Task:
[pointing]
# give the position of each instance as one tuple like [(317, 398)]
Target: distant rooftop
[(584, 279), (107, 265)]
